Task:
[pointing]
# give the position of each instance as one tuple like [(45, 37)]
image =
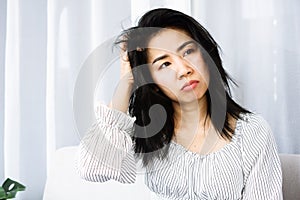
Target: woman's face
[(177, 66)]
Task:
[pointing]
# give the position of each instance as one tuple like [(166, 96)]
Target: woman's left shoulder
[(254, 120), (254, 126)]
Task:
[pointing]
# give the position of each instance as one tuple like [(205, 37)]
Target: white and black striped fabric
[(246, 168)]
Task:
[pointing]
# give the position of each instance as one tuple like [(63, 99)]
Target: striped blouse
[(246, 168)]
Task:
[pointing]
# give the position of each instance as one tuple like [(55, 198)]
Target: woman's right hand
[(126, 72), (120, 100)]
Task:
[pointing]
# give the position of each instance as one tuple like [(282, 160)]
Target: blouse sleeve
[(262, 168), (106, 151)]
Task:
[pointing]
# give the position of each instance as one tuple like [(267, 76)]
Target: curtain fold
[(2, 72), (24, 116)]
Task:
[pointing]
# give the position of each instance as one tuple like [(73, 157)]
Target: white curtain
[(75, 30), (46, 44), (259, 40), (24, 95)]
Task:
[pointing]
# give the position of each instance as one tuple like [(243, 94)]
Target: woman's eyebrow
[(159, 58), (184, 44), (178, 49)]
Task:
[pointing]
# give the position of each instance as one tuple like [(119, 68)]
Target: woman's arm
[(262, 168), (106, 151), (120, 100)]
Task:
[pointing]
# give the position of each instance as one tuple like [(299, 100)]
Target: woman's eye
[(165, 64), (187, 52)]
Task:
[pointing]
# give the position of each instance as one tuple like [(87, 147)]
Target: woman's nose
[(183, 68)]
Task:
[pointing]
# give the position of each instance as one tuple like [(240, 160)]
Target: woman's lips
[(190, 85)]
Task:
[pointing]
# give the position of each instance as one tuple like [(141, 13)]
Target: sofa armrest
[(290, 164), (64, 183)]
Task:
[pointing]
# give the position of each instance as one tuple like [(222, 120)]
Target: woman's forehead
[(168, 40)]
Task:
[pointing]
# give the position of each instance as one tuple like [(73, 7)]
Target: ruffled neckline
[(235, 139)]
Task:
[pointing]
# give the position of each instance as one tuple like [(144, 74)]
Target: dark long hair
[(145, 94)]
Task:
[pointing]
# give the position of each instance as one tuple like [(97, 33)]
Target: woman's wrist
[(120, 100)]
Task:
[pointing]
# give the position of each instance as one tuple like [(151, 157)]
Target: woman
[(194, 141)]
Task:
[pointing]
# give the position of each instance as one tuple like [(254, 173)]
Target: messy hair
[(145, 94)]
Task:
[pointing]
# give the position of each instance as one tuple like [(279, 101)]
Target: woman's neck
[(191, 116)]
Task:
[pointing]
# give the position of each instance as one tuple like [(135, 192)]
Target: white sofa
[(63, 183)]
